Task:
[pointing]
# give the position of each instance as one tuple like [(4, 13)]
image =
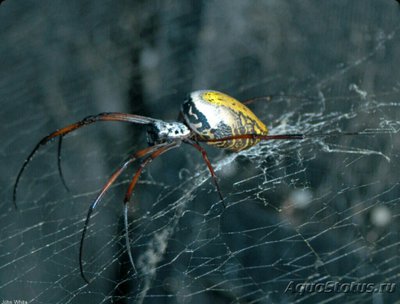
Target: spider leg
[(60, 172), (284, 136), (265, 98), (131, 187), (210, 168), (271, 97), (255, 136), (131, 118), (110, 181)]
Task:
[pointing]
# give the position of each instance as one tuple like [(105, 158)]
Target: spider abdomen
[(214, 115)]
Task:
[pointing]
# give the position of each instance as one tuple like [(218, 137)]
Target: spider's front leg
[(121, 117)]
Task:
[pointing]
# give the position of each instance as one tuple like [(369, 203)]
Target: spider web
[(311, 211)]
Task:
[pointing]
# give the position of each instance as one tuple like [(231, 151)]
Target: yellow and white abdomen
[(214, 115)]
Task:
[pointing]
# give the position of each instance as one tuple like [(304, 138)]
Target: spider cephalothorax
[(160, 132), (207, 116)]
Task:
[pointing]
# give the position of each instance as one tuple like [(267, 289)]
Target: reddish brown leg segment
[(284, 136), (110, 181), (131, 118), (131, 187), (255, 136), (60, 172), (210, 168)]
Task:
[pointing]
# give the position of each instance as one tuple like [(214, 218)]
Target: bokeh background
[(312, 211)]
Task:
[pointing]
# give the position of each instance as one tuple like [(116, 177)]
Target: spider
[(206, 116)]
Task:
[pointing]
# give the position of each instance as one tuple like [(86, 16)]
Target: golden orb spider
[(206, 116)]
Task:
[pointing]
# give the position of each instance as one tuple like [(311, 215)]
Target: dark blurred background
[(310, 211)]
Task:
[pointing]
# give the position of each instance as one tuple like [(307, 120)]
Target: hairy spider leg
[(108, 184), (210, 168), (123, 117), (131, 187)]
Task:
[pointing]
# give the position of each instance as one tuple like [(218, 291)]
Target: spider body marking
[(206, 116), (215, 115)]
